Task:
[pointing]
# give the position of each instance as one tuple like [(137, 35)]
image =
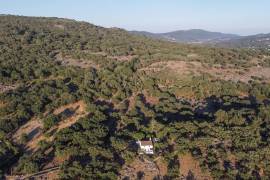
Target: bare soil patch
[(146, 169), (33, 130), (56, 161), (150, 99), (2, 104), (5, 88), (189, 164), (232, 160), (118, 58), (79, 111), (123, 58), (217, 71), (82, 63), (162, 166), (131, 101), (59, 26)]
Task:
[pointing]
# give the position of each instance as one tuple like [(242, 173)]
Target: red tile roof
[(146, 143)]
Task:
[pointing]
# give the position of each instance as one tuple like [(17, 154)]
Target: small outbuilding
[(146, 146)]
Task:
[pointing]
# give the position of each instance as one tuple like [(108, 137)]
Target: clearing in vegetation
[(33, 129), (140, 168), (69, 61), (79, 111), (197, 68)]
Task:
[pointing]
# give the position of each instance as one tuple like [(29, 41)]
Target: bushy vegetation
[(227, 133)]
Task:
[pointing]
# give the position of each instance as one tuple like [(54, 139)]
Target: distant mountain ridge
[(199, 36), (259, 41), (189, 36)]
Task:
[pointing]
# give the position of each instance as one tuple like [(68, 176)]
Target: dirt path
[(39, 175)]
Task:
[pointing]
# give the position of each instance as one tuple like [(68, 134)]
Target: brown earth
[(2, 104), (232, 159), (146, 168), (5, 88), (33, 128), (122, 58), (162, 166), (118, 58), (189, 164), (131, 101), (80, 111), (86, 63), (217, 71), (59, 26), (150, 98), (56, 161), (82, 63)]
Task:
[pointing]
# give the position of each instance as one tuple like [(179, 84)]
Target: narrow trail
[(34, 175)]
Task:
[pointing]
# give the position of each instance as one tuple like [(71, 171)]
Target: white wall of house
[(147, 149)]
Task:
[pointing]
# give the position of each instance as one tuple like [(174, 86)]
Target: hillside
[(75, 97), (189, 36), (260, 41)]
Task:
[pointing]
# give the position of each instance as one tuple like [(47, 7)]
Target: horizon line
[(138, 30)]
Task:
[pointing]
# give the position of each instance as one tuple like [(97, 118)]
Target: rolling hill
[(260, 41), (189, 36), (198, 36)]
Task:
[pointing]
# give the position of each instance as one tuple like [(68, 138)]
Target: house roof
[(146, 143)]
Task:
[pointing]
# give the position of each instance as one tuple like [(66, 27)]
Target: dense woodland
[(214, 123)]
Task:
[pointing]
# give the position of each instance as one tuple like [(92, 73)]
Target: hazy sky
[(233, 16)]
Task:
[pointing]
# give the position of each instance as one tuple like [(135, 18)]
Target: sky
[(243, 17)]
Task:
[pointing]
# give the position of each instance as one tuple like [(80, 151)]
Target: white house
[(146, 146)]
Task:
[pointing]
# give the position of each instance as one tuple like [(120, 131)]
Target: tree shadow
[(33, 133), (204, 111)]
